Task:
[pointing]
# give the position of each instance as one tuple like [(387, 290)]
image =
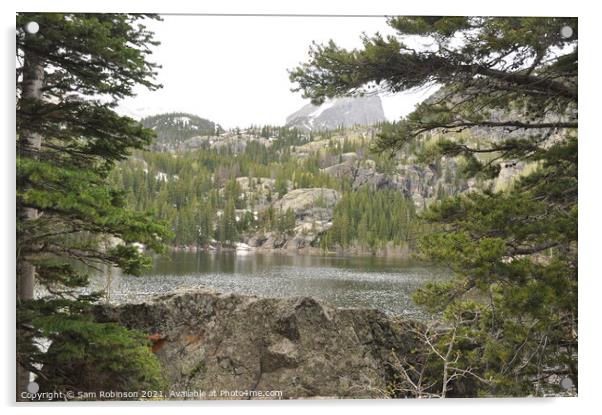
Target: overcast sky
[(233, 70)]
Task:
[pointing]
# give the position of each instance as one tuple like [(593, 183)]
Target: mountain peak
[(338, 112), (175, 127)]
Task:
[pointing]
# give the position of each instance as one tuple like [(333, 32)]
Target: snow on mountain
[(338, 112)]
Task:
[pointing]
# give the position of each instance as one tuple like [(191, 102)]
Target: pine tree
[(513, 252), (233, 191), (285, 222), (70, 77), (229, 229), (281, 184)]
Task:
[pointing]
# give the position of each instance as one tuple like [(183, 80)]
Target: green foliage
[(92, 207), (233, 191), (190, 189), (174, 128), (392, 65), (84, 355), (371, 218), (286, 222), (227, 231), (89, 62), (514, 252), (516, 249), (281, 185)]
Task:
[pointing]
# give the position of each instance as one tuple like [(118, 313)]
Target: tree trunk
[(30, 144)]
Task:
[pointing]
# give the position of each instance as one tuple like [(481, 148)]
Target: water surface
[(383, 283)]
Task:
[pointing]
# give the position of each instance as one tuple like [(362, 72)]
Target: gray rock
[(299, 346), (313, 209), (509, 171), (416, 182), (338, 112), (309, 204)]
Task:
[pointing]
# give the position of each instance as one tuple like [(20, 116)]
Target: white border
[(590, 152)]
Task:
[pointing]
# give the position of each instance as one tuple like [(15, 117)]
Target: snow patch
[(242, 247), (160, 176), (318, 111), (183, 119)]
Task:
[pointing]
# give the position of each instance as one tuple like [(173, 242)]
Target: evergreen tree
[(70, 76), (281, 184), (370, 218), (233, 191), (205, 223), (286, 222), (228, 227), (513, 299)]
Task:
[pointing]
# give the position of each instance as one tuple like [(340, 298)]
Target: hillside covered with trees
[(227, 189), (174, 128)]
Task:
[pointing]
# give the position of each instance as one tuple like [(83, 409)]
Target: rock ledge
[(212, 341)]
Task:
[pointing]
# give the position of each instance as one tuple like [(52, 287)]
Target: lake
[(378, 282)]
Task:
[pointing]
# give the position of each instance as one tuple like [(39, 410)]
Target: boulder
[(340, 170), (299, 346), (509, 171), (309, 201)]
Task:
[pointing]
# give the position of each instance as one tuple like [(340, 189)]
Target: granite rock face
[(313, 209), (417, 182), (299, 346), (314, 203), (338, 112)]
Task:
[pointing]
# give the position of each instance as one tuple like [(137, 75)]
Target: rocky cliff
[(299, 346), (313, 210), (421, 183), (338, 112)]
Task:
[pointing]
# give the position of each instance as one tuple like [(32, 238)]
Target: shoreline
[(391, 252)]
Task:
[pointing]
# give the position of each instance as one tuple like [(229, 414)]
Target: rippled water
[(383, 283)]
